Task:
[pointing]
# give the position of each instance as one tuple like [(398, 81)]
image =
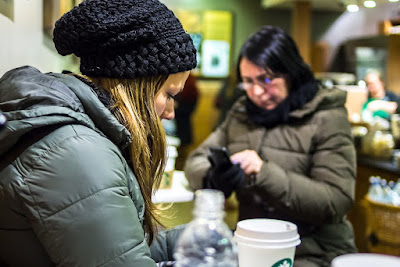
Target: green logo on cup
[(283, 263)]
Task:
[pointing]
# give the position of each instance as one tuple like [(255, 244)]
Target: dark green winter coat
[(70, 198), (308, 174)]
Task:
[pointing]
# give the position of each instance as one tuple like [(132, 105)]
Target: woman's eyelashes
[(171, 96)]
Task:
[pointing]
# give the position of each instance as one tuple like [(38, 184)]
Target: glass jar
[(359, 133), (378, 144)]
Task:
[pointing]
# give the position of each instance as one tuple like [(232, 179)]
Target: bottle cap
[(209, 201)]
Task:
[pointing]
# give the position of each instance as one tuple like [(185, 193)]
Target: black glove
[(223, 174)]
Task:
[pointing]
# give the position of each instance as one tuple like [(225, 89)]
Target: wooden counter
[(367, 167)]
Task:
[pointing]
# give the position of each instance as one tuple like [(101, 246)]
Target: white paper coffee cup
[(172, 154), (266, 242)]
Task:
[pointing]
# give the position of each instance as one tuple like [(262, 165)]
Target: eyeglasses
[(262, 80)]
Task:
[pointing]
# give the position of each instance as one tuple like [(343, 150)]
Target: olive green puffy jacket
[(69, 199), (308, 173)]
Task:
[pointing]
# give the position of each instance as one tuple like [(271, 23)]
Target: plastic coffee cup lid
[(365, 260), (267, 232)]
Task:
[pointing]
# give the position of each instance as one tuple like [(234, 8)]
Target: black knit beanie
[(125, 39)]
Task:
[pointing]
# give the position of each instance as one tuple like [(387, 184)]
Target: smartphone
[(219, 156)]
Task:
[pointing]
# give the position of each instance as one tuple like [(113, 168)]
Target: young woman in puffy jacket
[(81, 153)]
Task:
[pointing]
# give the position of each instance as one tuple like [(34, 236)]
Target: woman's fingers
[(249, 161)]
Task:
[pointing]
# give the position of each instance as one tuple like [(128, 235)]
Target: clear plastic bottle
[(387, 196), (207, 240), (394, 197), (375, 191), (396, 187)]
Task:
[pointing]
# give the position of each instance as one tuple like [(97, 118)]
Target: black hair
[(274, 50)]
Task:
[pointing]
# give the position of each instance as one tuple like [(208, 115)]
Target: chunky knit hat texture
[(125, 39)]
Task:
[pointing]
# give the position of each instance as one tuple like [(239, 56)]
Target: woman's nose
[(258, 89), (169, 112)]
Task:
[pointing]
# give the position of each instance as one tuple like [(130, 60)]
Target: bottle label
[(283, 263)]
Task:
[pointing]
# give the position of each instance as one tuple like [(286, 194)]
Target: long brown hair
[(134, 107)]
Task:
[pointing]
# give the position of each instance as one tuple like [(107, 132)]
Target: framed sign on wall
[(211, 31)]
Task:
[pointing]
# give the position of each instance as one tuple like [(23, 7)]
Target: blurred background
[(331, 39), (339, 39)]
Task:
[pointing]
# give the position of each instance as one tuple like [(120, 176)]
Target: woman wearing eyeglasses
[(291, 147)]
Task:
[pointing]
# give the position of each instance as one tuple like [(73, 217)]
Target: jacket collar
[(31, 99)]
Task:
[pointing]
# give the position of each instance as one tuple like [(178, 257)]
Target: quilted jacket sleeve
[(163, 246), (83, 203)]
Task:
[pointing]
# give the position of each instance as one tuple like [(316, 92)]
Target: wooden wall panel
[(393, 64), (301, 28)]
